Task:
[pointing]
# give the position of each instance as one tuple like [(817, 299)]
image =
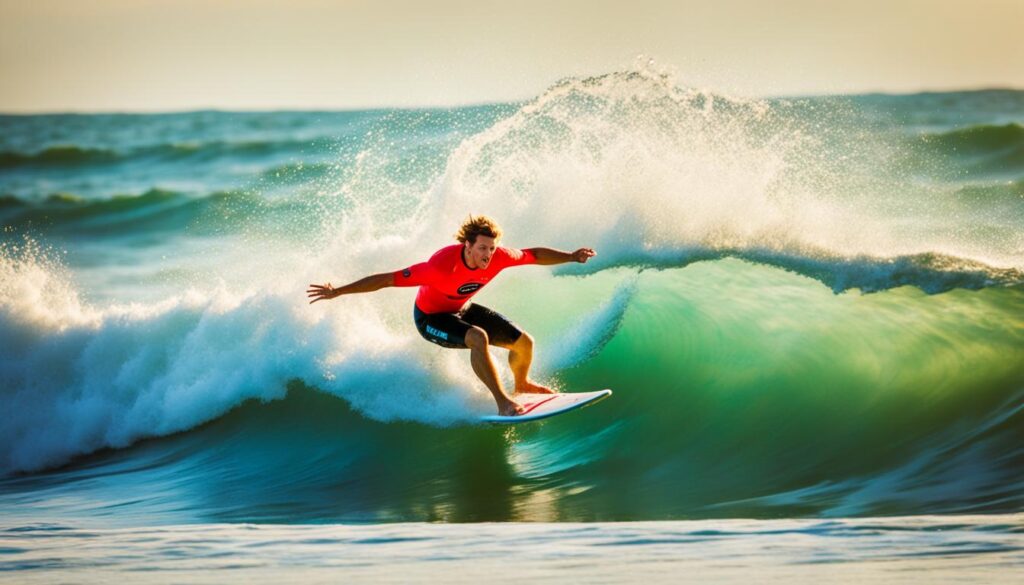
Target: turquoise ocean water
[(811, 311)]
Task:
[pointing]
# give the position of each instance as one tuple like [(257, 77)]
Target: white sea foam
[(82, 377), (642, 168)]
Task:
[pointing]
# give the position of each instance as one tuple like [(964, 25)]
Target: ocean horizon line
[(468, 105)]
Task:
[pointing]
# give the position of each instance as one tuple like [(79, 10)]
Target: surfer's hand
[(321, 292), (583, 254)]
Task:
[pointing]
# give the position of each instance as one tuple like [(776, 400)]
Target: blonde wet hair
[(478, 225)]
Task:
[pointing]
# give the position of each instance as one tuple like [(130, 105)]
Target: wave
[(932, 273), (648, 172), (981, 138), (110, 376), (257, 400), (65, 155), (150, 370), (1004, 193), (308, 457), (78, 156), (297, 173), (66, 216), (154, 210), (744, 384), (981, 150), (934, 477), (223, 212)]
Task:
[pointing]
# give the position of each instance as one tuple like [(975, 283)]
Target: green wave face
[(740, 390)]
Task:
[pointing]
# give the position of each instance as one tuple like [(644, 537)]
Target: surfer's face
[(478, 254)]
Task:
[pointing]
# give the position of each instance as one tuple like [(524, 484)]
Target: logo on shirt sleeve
[(407, 273)]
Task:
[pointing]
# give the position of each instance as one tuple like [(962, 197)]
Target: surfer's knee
[(525, 342), (476, 338)]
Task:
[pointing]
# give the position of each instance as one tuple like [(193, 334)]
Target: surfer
[(442, 311)]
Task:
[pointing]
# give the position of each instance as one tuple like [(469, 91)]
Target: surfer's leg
[(483, 365), (505, 334), (520, 358), (448, 330)]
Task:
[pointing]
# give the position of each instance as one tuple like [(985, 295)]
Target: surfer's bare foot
[(510, 408), (531, 388)]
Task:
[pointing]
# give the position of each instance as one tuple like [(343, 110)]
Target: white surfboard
[(538, 406)]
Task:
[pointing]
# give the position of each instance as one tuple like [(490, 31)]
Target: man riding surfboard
[(442, 311)]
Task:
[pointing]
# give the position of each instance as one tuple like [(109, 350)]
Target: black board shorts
[(449, 329)]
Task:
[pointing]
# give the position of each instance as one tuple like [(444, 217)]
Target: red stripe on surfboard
[(536, 404)]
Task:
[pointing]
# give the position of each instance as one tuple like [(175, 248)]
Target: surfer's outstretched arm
[(549, 256), (323, 292)]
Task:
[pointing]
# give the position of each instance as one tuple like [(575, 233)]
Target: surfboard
[(538, 406)]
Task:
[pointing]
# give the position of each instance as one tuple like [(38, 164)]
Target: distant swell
[(985, 150), (73, 156), (154, 209), (979, 139), (58, 156)]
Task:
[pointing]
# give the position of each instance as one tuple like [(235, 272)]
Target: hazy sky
[(140, 55)]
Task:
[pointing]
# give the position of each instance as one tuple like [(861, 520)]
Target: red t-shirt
[(446, 283)]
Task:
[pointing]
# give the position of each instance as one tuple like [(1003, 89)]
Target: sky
[(160, 55)]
